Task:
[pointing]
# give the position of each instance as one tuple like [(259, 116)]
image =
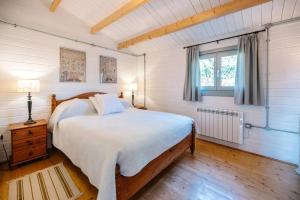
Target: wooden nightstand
[(28, 141), (140, 107)]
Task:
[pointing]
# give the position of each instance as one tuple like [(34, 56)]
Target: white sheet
[(132, 139), (71, 108)]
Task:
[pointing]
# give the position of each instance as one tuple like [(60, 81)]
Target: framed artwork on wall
[(108, 70), (72, 65)]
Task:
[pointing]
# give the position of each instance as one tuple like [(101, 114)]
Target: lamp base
[(132, 98), (30, 121)]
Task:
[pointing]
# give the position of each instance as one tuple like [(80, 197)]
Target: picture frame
[(72, 65), (108, 71)]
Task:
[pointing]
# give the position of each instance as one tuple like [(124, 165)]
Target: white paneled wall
[(165, 79), (27, 54)]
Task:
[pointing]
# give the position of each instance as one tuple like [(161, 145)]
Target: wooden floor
[(215, 172)]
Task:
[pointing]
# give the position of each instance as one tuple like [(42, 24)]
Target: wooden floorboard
[(214, 172)]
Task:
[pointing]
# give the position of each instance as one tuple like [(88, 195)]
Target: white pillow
[(71, 108), (80, 107), (96, 104), (108, 104), (126, 104)]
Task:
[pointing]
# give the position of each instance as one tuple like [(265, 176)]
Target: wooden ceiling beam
[(122, 11), (54, 5), (225, 9)]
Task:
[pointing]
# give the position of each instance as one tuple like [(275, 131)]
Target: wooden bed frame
[(126, 187)]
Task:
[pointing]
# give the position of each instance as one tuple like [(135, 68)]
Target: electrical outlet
[(248, 125)]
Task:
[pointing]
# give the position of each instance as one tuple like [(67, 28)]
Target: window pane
[(207, 71), (228, 68)]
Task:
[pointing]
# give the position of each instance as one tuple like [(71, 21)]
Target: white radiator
[(221, 124)]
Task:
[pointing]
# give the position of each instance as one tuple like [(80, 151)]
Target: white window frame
[(217, 89)]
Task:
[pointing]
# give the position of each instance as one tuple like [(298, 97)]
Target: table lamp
[(29, 86), (132, 87)]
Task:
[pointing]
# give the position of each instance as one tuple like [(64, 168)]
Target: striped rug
[(53, 183)]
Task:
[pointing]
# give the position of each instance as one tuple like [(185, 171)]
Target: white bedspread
[(132, 139)]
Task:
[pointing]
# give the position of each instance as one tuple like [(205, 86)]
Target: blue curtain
[(191, 90), (248, 86)]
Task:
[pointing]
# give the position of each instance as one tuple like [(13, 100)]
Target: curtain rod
[(267, 25), (226, 38), (67, 38)]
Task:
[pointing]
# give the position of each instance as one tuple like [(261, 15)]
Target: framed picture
[(108, 70), (72, 65)]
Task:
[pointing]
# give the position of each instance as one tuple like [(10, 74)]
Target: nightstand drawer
[(28, 132), (29, 153), (29, 142)]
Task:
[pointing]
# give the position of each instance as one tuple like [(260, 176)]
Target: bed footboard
[(126, 187)]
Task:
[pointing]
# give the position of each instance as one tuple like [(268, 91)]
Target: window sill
[(218, 93)]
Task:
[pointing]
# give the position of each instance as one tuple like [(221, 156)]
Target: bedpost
[(192, 147), (53, 103), (121, 192), (121, 95)]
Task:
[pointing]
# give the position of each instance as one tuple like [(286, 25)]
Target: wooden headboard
[(55, 102)]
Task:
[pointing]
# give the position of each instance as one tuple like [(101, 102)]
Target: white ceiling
[(161, 12)]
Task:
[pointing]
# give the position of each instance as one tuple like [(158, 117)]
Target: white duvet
[(132, 139)]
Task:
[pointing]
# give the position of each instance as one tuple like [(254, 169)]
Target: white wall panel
[(296, 12), (288, 9), (165, 80), (277, 10), (26, 54)]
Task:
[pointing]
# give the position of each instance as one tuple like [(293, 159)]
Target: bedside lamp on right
[(132, 87)]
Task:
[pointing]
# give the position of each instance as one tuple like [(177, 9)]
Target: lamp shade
[(28, 85), (132, 87)]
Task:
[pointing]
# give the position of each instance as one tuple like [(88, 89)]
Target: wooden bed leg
[(192, 147), (120, 186)]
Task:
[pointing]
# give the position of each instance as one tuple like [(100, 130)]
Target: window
[(217, 73)]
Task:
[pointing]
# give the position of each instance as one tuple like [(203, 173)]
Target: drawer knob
[(29, 142), (29, 132), (30, 153)]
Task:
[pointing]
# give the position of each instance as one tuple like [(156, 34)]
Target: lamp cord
[(5, 155)]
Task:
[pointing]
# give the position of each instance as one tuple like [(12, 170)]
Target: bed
[(130, 173)]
